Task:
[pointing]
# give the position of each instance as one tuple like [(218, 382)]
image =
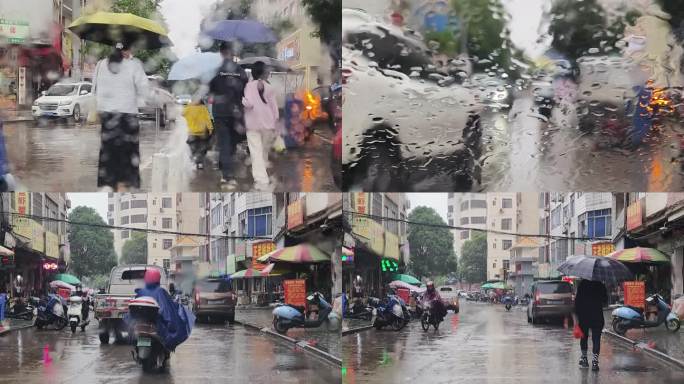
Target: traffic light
[(389, 265)]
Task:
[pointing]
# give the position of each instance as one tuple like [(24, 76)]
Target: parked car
[(550, 299), (158, 100), (214, 300), (65, 100), (402, 125), (449, 297), (183, 99), (112, 306)]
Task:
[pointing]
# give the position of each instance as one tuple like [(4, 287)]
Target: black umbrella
[(603, 269)]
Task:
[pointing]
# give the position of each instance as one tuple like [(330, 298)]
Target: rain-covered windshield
[(513, 94), (61, 90)]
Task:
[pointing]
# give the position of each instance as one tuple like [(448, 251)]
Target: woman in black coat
[(589, 301)]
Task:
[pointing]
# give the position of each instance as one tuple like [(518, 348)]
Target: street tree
[(473, 261), (432, 248), (326, 15), (482, 34), (92, 246), (134, 250), (580, 28)]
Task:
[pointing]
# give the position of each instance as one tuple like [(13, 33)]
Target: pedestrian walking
[(200, 130), (119, 82), (227, 90), (589, 301), (261, 117)]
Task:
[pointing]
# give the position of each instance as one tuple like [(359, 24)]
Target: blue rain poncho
[(174, 323)]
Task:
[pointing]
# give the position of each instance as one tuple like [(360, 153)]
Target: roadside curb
[(300, 343), (17, 119), (356, 330), (637, 344), (2, 332)]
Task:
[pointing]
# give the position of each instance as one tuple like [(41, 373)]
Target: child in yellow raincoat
[(200, 130)]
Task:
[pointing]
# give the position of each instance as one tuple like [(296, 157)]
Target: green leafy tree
[(581, 28), (134, 250), (326, 15), (483, 34), (473, 261), (432, 248), (92, 247)]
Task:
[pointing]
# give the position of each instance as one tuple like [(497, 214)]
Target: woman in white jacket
[(261, 117), (119, 82)]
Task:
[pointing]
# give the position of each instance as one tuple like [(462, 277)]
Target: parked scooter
[(358, 310), (22, 310), (149, 351), (51, 312), (390, 311), (76, 312), (288, 316), (628, 317)]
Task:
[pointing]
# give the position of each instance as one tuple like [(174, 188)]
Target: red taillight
[(537, 299), (197, 298)]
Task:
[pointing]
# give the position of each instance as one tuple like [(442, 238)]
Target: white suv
[(64, 100)]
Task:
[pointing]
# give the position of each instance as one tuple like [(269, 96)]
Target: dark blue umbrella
[(247, 31), (603, 269)]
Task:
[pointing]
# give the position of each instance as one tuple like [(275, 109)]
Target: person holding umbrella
[(261, 116), (591, 295), (227, 90), (119, 82)]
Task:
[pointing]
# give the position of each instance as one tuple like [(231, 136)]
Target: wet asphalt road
[(213, 353), (60, 156), (522, 151), (486, 344)]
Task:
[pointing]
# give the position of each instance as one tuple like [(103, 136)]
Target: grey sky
[(183, 18), (97, 201), (436, 201)]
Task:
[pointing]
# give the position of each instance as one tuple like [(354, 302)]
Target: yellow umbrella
[(111, 28)]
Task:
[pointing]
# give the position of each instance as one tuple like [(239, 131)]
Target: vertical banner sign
[(21, 95), (295, 292), (261, 249), (361, 203), (22, 202), (635, 293)]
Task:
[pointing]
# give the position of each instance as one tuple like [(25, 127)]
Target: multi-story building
[(300, 49), (502, 211), (653, 220), (374, 240), (37, 237), (524, 253), (467, 210), (149, 211), (582, 221)]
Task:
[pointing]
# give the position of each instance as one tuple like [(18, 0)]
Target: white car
[(402, 124), (159, 99), (491, 90), (65, 100)]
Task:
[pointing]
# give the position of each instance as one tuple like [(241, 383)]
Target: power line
[(147, 230), (494, 231)]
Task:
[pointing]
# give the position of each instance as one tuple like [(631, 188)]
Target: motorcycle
[(76, 315), (359, 311), (149, 351), (51, 311), (628, 317), (288, 316), (391, 311), (430, 316), (508, 302), (21, 310)]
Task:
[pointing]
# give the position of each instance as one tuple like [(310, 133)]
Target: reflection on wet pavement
[(64, 157), (486, 344), (211, 354), (321, 337)]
